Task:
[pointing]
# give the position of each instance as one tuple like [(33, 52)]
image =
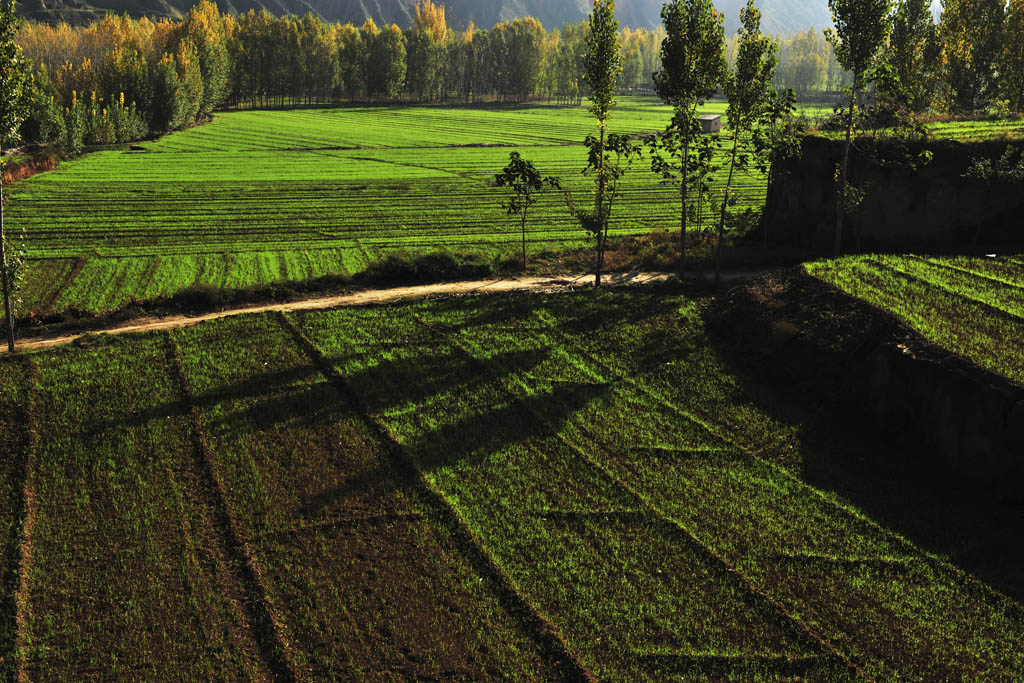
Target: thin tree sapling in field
[(523, 183)]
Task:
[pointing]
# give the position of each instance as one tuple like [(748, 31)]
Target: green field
[(261, 197), (978, 130), (971, 306), (518, 486)]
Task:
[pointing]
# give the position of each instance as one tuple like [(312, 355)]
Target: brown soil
[(360, 298)]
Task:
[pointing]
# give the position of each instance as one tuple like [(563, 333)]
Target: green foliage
[(1009, 168), (386, 61), (748, 89), (44, 125), (15, 86), (912, 59), (748, 84), (861, 28), (971, 32), (1011, 62), (602, 62), (168, 107), (523, 183), (692, 54), (693, 65), (204, 28)]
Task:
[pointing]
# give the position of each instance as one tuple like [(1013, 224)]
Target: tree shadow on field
[(470, 440), (892, 481)]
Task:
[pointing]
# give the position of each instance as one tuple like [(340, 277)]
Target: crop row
[(505, 408), (972, 306), (121, 225), (398, 489)]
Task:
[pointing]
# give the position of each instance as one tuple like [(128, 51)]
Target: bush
[(415, 268)]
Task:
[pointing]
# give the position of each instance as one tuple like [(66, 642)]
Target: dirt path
[(373, 296)]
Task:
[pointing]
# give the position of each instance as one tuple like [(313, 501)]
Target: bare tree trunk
[(682, 213), (725, 203), (766, 214), (524, 240), (3, 268), (600, 211), (841, 207)]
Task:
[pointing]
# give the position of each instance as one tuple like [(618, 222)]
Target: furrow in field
[(18, 416), (123, 578), (365, 576), (999, 272), (1001, 300), (979, 332), (263, 622), (747, 509), (828, 546), (591, 567), (762, 601)]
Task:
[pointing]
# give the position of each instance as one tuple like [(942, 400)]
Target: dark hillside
[(780, 16)]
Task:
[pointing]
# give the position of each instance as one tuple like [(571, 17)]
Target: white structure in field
[(710, 123)]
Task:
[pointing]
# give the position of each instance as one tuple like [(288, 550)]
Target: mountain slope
[(780, 17)]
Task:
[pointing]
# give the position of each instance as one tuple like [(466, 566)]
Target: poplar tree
[(1011, 64), (749, 91), (971, 32), (602, 64), (860, 32), (13, 109), (692, 65), (913, 53)]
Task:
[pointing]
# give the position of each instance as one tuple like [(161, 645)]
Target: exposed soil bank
[(942, 409), (930, 207)]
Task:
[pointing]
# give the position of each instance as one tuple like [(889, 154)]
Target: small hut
[(710, 123)]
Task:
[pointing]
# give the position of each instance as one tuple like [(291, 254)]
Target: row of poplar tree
[(119, 78), (115, 78)]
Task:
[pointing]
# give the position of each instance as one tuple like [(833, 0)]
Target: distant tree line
[(971, 60), (118, 78)]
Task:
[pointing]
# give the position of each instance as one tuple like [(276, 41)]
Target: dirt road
[(372, 296)]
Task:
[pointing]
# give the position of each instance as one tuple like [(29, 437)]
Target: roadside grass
[(971, 306)]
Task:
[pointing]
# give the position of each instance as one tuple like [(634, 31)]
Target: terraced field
[(260, 197), (971, 306), (518, 486), (978, 130)]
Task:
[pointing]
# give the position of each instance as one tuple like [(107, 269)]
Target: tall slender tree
[(913, 54), (860, 31), (971, 32), (602, 64), (1011, 63), (748, 88), (692, 66), (13, 109)]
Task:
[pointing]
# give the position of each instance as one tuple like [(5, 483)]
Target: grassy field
[(257, 197), (524, 486), (972, 306)]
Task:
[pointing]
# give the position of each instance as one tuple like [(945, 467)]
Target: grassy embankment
[(971, 306)]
